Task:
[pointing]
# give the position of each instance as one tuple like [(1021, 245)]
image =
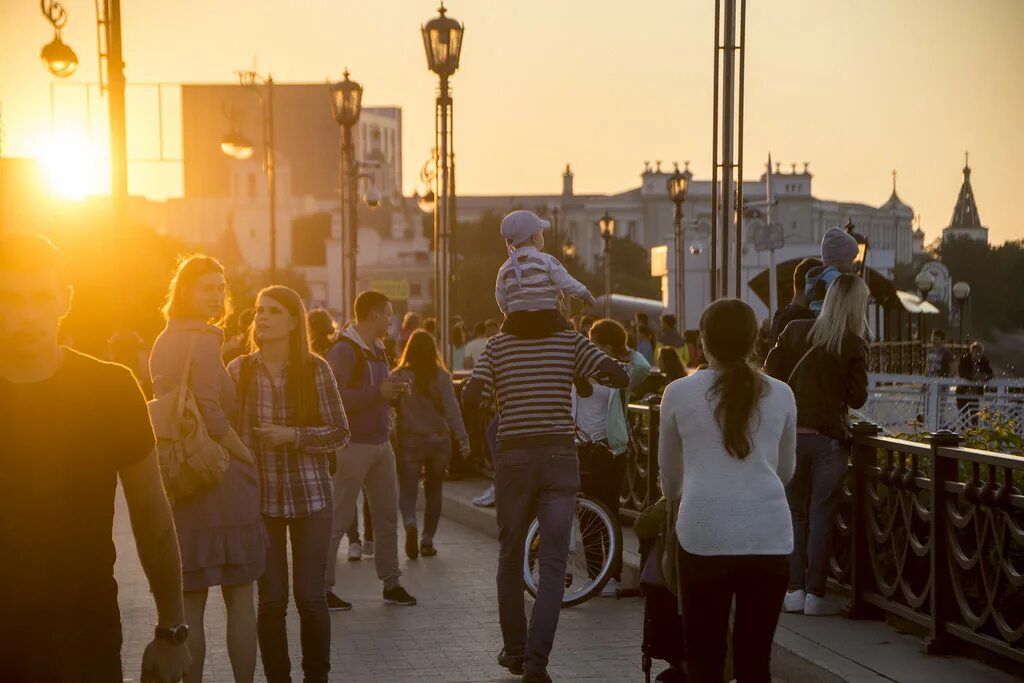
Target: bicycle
[(593, 546)]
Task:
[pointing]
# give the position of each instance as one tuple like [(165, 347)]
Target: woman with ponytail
[(727, 450), (825, 363)]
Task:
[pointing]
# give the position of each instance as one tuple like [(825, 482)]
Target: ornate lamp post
[(442, 41), (346, 104), (62, 61), (961, 292), (237, 146), (678, 183), (924, 282), (862, 249), (607, 227)]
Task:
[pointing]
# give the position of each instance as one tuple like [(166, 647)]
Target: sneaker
[(537, 677), (355, 552), (398, 596), (794, 601), (514, 663), (428, 550), (611, 589), (820, 606), (368, 548), (412, 543), (336, 604), (485, 499)]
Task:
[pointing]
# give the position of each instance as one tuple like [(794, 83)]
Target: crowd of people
[(290, 421)]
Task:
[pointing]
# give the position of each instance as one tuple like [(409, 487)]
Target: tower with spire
[(965, 221)]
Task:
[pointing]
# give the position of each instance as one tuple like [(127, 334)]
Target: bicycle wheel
[(593, 546)]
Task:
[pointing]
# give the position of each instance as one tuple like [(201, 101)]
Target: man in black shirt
[(70, 425), (797, 308)]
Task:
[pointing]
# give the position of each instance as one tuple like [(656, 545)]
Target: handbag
[(190, 460)]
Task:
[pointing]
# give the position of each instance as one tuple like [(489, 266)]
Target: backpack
[(190, 460), (359, 370)]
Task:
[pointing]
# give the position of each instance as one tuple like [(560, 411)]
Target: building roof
[(965, 213)]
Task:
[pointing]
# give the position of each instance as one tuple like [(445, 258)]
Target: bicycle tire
[(610, 534)]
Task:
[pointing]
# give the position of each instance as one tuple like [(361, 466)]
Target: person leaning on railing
[(824, 361)]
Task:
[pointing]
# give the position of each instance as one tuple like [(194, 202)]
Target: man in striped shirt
[(536, 474)]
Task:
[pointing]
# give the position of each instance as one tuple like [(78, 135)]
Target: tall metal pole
[(773, 276), (727, 114), (739, 157), (713, 268), (680, 255), (268, 119), (115, 91), (453, 226), (608, 276), (350, 225), (442, 217)]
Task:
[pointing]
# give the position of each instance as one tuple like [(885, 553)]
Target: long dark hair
[(302, 390), (670, 364), (322, 330), (422, 357), (610, 333), (186, 274), (729, 328)]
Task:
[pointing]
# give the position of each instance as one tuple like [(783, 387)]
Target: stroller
[(663, 625)]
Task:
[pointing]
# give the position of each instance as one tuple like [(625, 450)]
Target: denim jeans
[(536, 482), (431, 456), (309, 538), (813, 495), (707, 585)]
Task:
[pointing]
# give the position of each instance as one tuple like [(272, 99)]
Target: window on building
[(631, 231)]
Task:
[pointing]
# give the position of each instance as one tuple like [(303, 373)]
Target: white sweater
[(728, 506)]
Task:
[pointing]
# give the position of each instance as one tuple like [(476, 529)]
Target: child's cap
[(838, 247), (518, 226)]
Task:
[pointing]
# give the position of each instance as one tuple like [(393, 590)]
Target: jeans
[(707, 585), (813, 495), (432, 456), (309, 538), (533, 482), (601, 479), (371, 468)]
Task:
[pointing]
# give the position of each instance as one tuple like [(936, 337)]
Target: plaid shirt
[(295, 478)]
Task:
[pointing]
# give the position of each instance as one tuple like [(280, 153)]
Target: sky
[(855, 88)]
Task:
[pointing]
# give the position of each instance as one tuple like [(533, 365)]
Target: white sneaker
[(368, 548), (818, 606), (355, 552), (611, 589), (794, 601), (485, 499)]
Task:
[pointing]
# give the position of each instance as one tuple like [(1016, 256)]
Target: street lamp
[(678, 183), (924, 282), (569, 249), (860, 264), (62, 61), (607, 227), (346, 104), (961, 292), (442, 42), (237, 146)]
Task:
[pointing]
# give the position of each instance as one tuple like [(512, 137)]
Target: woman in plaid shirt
[(291, 417)]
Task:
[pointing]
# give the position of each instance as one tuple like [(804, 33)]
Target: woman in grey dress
[(220, 531)]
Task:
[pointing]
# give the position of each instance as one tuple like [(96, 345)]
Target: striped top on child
[(541, 277), (532, 379)]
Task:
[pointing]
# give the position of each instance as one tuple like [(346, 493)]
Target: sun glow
[(71, 167)]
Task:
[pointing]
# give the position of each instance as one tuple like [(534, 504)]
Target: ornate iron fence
[(640, 486), (935, 535)]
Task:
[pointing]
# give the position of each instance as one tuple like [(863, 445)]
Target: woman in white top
[(727, 449), (601, 416)]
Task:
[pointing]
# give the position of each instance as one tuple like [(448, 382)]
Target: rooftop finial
[(894, 181), (967, 166)]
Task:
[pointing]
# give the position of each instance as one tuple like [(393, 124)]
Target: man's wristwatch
[(176, 634)]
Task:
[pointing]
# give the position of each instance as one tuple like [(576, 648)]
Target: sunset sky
[(855, 88)]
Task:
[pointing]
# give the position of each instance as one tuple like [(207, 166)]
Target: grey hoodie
[(432, 416)]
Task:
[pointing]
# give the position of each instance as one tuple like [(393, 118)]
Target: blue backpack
[(819, 279)]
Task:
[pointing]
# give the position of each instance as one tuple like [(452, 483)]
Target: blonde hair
[(844, 310)]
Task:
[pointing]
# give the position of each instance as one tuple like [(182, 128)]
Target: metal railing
[(955, 568), (904, 357)]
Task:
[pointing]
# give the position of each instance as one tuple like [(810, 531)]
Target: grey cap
[(838, 247), (519, 226)]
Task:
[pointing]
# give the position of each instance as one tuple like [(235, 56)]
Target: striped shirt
[(295, 478), (532, 380), (541, 278)]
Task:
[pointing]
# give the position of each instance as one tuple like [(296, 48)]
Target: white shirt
[(591, 413), (474, 347), (728, 506)]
